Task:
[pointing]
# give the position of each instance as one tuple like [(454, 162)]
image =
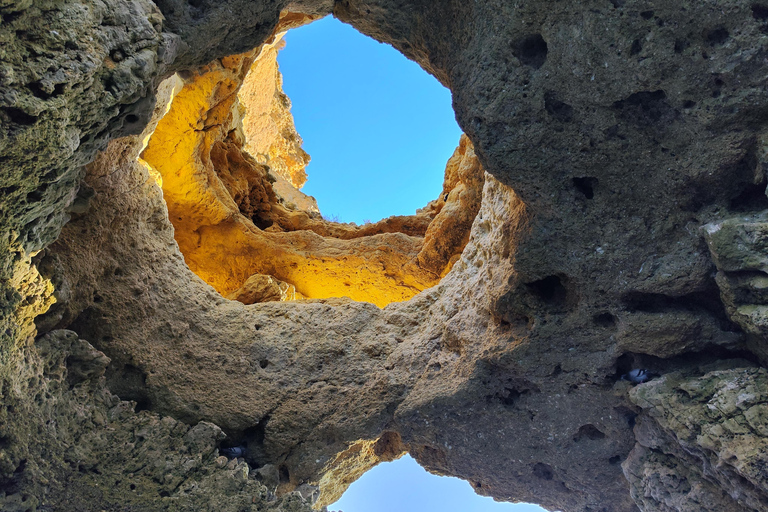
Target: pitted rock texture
[(702, 443), (268, 127), (77, 436), (611, 132)]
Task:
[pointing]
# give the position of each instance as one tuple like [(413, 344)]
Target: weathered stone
[(702, 443), (622, 126), (261, 288), (268, 127), (219, 196)]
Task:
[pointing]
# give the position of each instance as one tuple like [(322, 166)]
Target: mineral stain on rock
[(607, 197)]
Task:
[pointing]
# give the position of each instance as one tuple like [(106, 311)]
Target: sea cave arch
[(507, 373)]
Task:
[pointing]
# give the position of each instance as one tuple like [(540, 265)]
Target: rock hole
[(164, 494), (689, 104), (647, 108), (18, 116), (614, 460), (263, 363), (531, 51), (605, 320), (717, 36), (585, 186), (750, 197), (44, 92), (256, 168), (36, 195), (557, 109), (646, 15), (636, 47), (285, 476), (142, 405), (681, 45), (133, 487), (760, 12), (550, 290), (557, 371), (131, 118), (543, 471), (617, 3), (254, 437), (589, 432)]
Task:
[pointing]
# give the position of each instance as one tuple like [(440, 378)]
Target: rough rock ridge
[(620, 228)]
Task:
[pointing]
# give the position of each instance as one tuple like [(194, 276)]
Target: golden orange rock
[(270, 133)]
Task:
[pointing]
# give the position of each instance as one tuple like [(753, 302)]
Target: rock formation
[(620, 226)]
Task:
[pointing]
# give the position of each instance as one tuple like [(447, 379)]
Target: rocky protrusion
[(702, 442), (261, 288), (739, 248)]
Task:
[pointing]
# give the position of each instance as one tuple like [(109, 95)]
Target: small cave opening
[(231, 163), (419, 489)]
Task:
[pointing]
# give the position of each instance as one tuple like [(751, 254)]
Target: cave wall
[(621, 227)]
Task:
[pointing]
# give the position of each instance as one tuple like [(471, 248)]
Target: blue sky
[(378, 127), (379, 130), (403, 486)]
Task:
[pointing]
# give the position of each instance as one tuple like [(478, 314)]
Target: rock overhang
[(662, 152)]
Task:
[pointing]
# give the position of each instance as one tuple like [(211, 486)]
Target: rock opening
[(230, 163)]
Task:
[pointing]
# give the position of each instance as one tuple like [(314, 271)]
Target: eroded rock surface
[(702, 445), (611, 132)]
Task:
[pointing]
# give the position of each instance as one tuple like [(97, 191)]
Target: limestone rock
[(610, 132), (268, 124), (230, 223), (702, 442), (261, 288)]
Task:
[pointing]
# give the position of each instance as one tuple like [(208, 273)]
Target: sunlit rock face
[(268, 127), (619, 228)]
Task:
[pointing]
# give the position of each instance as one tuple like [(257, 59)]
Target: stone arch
[(489, 347)]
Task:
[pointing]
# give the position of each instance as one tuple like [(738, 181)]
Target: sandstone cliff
[(620, 224)]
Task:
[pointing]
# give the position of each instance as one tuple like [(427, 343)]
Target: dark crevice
[(588, 432), (550, 290), (604, 320), (253, 437), (559, 110), (717, 36), (647, 108), (585, 185), (707, 302), (543, 471), (531, 51), (760, 12), (18, 116)]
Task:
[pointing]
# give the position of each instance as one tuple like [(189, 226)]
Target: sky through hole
[(378, 127)]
